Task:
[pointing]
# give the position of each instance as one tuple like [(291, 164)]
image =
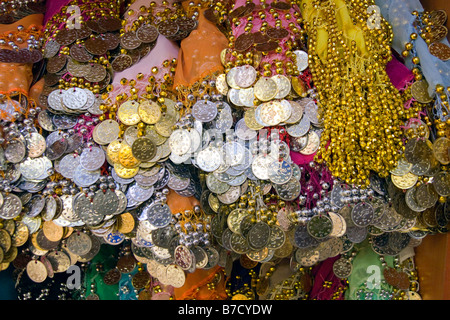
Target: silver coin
[(36, 205), (246, 97), (177, 183), (299, 129), (260, 166), (51, 48), (105, 202), (245, 76), (139, 193), (180, 142), (209, 159), (204, 110), (15, 151), (55, 100), (92, 159), (32, 168), (223, 121), (356, 234), (289, 191), (50, 208), (12, 206), (64, 122), (85, 178), (230, 196), (75, 98), (35, 144), (215, 185), (244, 132), (279, 172), (362, 214), (68, 164), (301, 60)]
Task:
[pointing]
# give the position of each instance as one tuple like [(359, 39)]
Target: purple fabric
[(53, 7), (324, 272)]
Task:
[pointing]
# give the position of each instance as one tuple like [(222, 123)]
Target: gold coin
[(250, 120), (5, 240), (239, 296), (429, 217), (151, 133), (298, 86), (284, 251), (9, 226), (113, 150), (20, 235), (221, 84), (128, 113), (149, 112), (441, 149), (165, 125), (52, 231), (265, 89), (404, 182), (125, 223), (35, 243), (4, 266), (223, 57), (126, 157), (419, 91), (145, 295), (262, 286), (67, 232), (1, 255), (10, 255), (125, 173)]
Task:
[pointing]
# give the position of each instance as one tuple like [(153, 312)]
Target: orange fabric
[(28, 22), (15, 77), (195, 286), (178, 203), (36, 89), (199, 54)]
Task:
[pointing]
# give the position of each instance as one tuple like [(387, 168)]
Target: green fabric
[(366, 268), (107, 256)]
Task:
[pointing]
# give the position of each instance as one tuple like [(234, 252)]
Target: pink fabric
[(299, 158), (164, 50), (399, 74), (272, 56)]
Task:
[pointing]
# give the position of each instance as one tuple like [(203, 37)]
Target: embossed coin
[(265, 89), (244, 41), (143, 149), (440, 50), (405, 182), (36, 271), (79, 243), (342, 268)]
